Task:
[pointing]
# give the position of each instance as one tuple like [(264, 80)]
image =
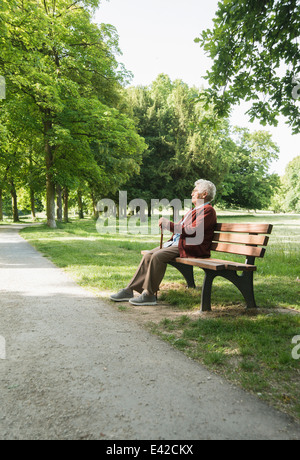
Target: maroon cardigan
[(208, 215)]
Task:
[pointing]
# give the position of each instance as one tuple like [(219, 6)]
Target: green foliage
[(68, 124), (256, 57), (63, 85), (287, 199), (291, 185), (248, 183), (184, 142)]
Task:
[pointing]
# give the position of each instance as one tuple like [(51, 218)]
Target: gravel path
[(76, 369)]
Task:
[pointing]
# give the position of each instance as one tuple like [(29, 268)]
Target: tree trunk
[(1, 205), (95, 210), (50, 186), (50, 201), (14, 201), (66, 205), (32, 200), (32, 203), (59, 212), (80, 205)]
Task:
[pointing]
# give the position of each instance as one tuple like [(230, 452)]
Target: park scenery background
[(75, 130)]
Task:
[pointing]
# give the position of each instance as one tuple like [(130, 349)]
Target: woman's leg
[(152, 269), (136, 284)]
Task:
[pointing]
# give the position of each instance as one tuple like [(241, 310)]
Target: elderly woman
[(192, 237)]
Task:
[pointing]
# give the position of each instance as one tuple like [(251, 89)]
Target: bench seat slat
[(202, 263), (238, 249), (236, 266), (217, 264), (214, 264), (260, 240), (245, 228)]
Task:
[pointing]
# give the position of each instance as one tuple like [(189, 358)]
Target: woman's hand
[(164, 223)]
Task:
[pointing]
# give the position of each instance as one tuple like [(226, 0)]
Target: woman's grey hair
[(203, 185)]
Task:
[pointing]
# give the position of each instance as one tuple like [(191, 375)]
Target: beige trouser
[(152, 269)]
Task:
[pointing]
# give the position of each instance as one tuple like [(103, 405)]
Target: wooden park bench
[(248, 240)]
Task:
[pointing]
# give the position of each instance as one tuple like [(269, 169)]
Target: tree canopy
[(63, 84), (181, 146), (248, 183), (72, 131), (256, 57), (291, 186), (187, 142)]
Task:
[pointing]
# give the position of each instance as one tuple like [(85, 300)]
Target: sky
[(157, 36)]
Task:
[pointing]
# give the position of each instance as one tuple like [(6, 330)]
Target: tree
[(10, 174), (291, 186), (248, 183), (20, 153), (63, 65), (185, 141), (256, 57), (3, 163)]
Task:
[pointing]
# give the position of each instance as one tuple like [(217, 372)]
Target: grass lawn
[(251, 348)]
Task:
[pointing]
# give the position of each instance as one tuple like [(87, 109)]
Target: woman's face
[(198, 196)]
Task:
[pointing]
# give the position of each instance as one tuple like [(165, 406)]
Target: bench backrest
[(242, 239)]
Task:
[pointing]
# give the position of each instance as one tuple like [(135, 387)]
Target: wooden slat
[(202, 263), (214, 264), (229, 265), (217, 264), (260, 240), (245, 228), (238, 249)]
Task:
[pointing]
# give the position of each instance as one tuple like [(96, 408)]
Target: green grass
[(252, 349)]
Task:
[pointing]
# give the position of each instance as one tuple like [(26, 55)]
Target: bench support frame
[(187, 272), (243, 282)]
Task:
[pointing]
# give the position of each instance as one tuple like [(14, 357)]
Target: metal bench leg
[(243, 282), (245, 285), (206, 290), (187, 271)]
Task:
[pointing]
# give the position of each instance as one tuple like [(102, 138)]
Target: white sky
[(157, 36)]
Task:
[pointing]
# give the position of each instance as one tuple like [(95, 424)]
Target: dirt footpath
[(75, 368)]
